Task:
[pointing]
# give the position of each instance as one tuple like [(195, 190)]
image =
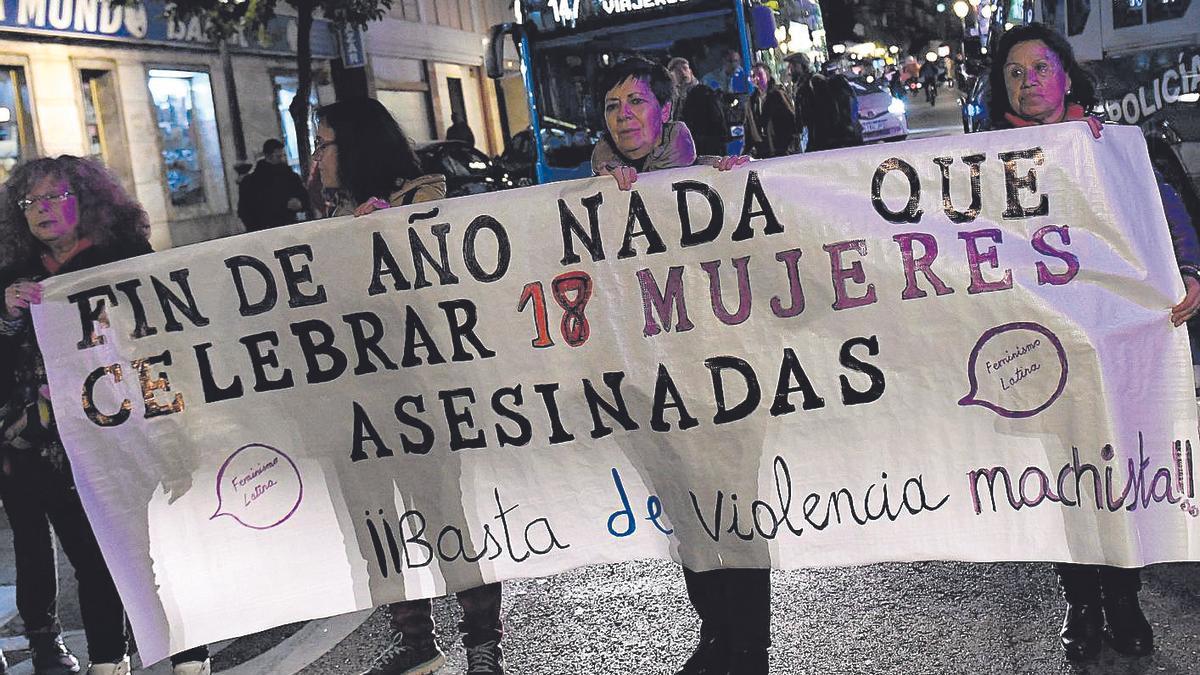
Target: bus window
[(568, 68), (1078, 12), (1127, 13), (1163, 10)]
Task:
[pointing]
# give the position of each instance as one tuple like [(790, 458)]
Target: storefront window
[(103, 130), (16, 123), (285, 92), (187, 130)]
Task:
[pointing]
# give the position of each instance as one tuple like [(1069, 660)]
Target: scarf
[(1074, 112)]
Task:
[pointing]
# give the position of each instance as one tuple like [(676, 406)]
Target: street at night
[(599, 337)]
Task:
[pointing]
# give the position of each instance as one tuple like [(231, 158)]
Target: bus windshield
[(567, 58)]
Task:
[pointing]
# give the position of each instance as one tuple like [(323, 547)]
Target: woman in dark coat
[(1035, 79)]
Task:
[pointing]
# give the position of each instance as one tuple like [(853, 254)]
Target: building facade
[(151, 98), (427, 63)]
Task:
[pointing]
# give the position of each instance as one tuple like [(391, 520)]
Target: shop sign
[(147, 23), (353, 47)]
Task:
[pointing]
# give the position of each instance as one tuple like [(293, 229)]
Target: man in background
[(699, 107), (271, 194)]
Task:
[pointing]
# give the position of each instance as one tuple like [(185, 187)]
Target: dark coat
[(461, 131), (701, 109), (264, 193), (826, 105), (26, 408), (770, 123)]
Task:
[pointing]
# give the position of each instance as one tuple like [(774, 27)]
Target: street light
[(941, 7), (961, 9), (930, 57)]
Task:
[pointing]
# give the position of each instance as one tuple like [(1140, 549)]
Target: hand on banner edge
[(20, 295), (370, 206), (729, 162), (625, 176), (1187, 307)]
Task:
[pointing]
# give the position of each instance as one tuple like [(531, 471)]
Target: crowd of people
[(816, 111), (66, 214)]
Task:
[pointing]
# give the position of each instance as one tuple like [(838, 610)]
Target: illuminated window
[(285, 91), (16, 123), (188, 133)]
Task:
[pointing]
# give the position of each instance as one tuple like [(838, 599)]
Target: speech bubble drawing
[(1016, 370), (258, 486)]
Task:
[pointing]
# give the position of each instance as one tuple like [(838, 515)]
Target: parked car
[(882, 116), (568, 152), (467, 170)]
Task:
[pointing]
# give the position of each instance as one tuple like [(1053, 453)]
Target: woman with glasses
[(57, 216), (1036, 80), (364, 162)]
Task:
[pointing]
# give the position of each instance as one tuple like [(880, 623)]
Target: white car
[(882, 116)]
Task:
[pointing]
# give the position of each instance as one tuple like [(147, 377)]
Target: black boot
[(51, 656), (1083, 626), (1082, 630), (710, 658), (1127, 629), (748, 662)]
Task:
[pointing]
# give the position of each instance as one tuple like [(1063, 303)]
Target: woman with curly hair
[(59, 215)]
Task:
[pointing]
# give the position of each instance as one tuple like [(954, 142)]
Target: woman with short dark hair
[(1036, 80), (734, 605)]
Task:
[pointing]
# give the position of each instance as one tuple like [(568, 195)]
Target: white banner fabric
[(955, 349)]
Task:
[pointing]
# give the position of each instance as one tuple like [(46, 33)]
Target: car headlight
[(896, 107)]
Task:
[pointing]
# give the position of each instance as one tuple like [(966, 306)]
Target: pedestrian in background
[(1036, 80), (699, 107), (728, 77), (365, 163), (272, 194), (459, 130), (825, 106), (734, 605), (770, 116), (57, 216)]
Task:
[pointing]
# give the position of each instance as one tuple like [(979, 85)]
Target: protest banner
[(947, 349)]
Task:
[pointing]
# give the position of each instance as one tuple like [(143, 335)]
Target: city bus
[(563, 45), (1145, 56)]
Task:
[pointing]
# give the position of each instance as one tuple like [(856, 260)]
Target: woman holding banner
[(1035, 79), (734, 604), (60, 215), (364, 163)]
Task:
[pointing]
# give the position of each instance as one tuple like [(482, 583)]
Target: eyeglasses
[(43, 199), (321, 145)]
